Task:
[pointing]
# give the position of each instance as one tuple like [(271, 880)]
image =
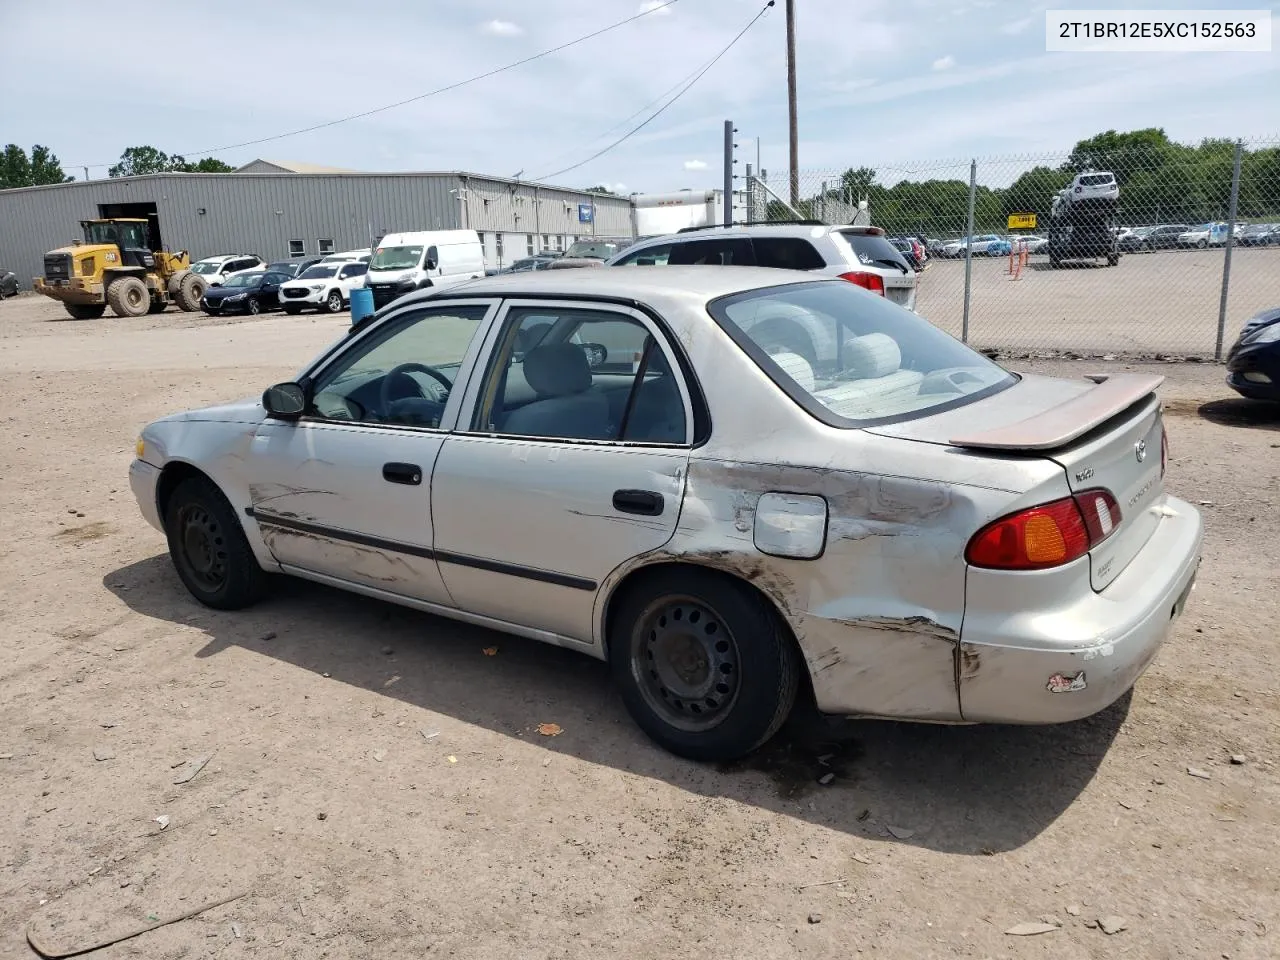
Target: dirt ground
[(376, 786), (1162, 303)]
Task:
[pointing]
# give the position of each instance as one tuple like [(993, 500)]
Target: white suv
[(861, 255), (323, 286), (215, 270), (1095, 185)]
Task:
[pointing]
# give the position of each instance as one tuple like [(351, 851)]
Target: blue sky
[(899, 85)]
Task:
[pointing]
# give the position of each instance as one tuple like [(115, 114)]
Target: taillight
[(1164, 450), (1048, 535), (867, 281)]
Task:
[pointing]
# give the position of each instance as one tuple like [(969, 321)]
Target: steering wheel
[(406, 368)]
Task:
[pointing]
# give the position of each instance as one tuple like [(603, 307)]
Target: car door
[(351, 275), (343, 493), (570, 462), (268, 292)]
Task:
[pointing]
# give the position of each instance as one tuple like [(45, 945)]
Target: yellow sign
[(1022, 221)]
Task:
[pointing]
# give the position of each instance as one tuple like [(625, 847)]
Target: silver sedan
[(730, 483)]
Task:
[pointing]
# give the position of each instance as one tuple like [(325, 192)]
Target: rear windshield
[(1096, 179), (873, 249), (852, 358)]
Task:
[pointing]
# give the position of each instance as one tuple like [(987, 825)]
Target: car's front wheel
[(333, 303), (706, 667), (209, 549)]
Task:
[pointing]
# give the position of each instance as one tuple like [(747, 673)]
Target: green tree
[(600, 188), (140, 161), (19, 170)]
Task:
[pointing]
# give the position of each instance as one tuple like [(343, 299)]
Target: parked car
[(8, 284), (323, 286), (860, 255), (251, 292), (216, 270), (597, 248), (987, 245), (291, 268), (1259, 235), (634, 465), (537, 262), (363, 255), (912, 250), (1134, 240), (1093, 186), (1205, 235), (1253, 362), (1163, 237), (1030, 242), (428, 258)]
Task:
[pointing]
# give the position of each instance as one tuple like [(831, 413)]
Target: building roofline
[(459, 174)]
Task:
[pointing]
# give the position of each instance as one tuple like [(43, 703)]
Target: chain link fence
[(1166, 257)]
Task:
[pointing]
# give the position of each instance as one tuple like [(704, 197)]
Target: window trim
[(465, 424), (320, 242), (466, 369), (823, 414)]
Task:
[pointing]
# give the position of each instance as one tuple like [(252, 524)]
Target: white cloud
[(695, 165), (944, 63), (655, 6), (503, 28), (1016, 26), (848, 86)]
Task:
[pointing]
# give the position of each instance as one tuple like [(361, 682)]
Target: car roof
[(227, 256), (806, 230)]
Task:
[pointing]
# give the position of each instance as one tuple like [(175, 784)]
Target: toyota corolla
[(729, 483)]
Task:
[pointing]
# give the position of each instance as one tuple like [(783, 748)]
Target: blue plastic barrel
[(361, 303)]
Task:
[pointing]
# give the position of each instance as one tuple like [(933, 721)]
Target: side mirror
[(285, 401), (430, 264)]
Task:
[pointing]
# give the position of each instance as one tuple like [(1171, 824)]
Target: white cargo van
[(429, 258)]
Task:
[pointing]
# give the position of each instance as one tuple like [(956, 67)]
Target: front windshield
[(243, 280), (317, 272), (204, 266), (396, 258), (851, 357)]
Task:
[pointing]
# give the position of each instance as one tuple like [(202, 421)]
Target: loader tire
[(86, 311), (129, 297), (190, 289)]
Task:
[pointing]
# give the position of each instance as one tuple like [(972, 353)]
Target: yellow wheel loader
[(115, 266)]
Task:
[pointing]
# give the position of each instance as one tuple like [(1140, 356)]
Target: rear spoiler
[(1060, 425)]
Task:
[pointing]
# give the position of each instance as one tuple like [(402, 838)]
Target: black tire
[(190, 290), (129, 297), (86, 311), (292, 311), (1201, 244), (702, 698), (333, 302), (209, 549)]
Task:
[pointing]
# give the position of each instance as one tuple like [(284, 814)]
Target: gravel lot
[(355, 834), (1150, 303)]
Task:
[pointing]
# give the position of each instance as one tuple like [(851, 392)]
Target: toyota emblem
[(1140, 450)]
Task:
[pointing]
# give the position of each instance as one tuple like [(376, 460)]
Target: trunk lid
[(1105, 435)]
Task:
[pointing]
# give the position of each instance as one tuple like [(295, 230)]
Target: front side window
[(402, 372), (850, 357), (353, 270), (580, 374), (657, 255)]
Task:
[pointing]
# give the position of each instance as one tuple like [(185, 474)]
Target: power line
[(422, 96), (696, 77)]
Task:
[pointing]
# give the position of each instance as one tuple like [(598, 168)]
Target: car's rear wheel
[(705, 666), (209, 549)]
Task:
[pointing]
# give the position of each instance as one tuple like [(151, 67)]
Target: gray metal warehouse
[(262, 209)]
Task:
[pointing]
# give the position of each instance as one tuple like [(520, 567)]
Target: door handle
[(407, 473), (644, 502)]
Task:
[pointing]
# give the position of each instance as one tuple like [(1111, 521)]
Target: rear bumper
[(143, 479), (1064, 662)]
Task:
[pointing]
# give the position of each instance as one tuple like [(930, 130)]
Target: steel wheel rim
[(686, 663), (202, 547), (133, 296)]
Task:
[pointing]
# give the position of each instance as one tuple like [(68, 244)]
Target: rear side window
[(655, 256), (788, 253), (874, 249), (722, 251)]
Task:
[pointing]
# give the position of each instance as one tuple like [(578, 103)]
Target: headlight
[(1268, 334), (317, 287), (237, 296)]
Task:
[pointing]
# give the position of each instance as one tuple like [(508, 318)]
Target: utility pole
[(729, 161), (791, 102)]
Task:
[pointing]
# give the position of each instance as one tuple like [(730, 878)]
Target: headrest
[(871, 356), (796, 367), (557, 370)]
